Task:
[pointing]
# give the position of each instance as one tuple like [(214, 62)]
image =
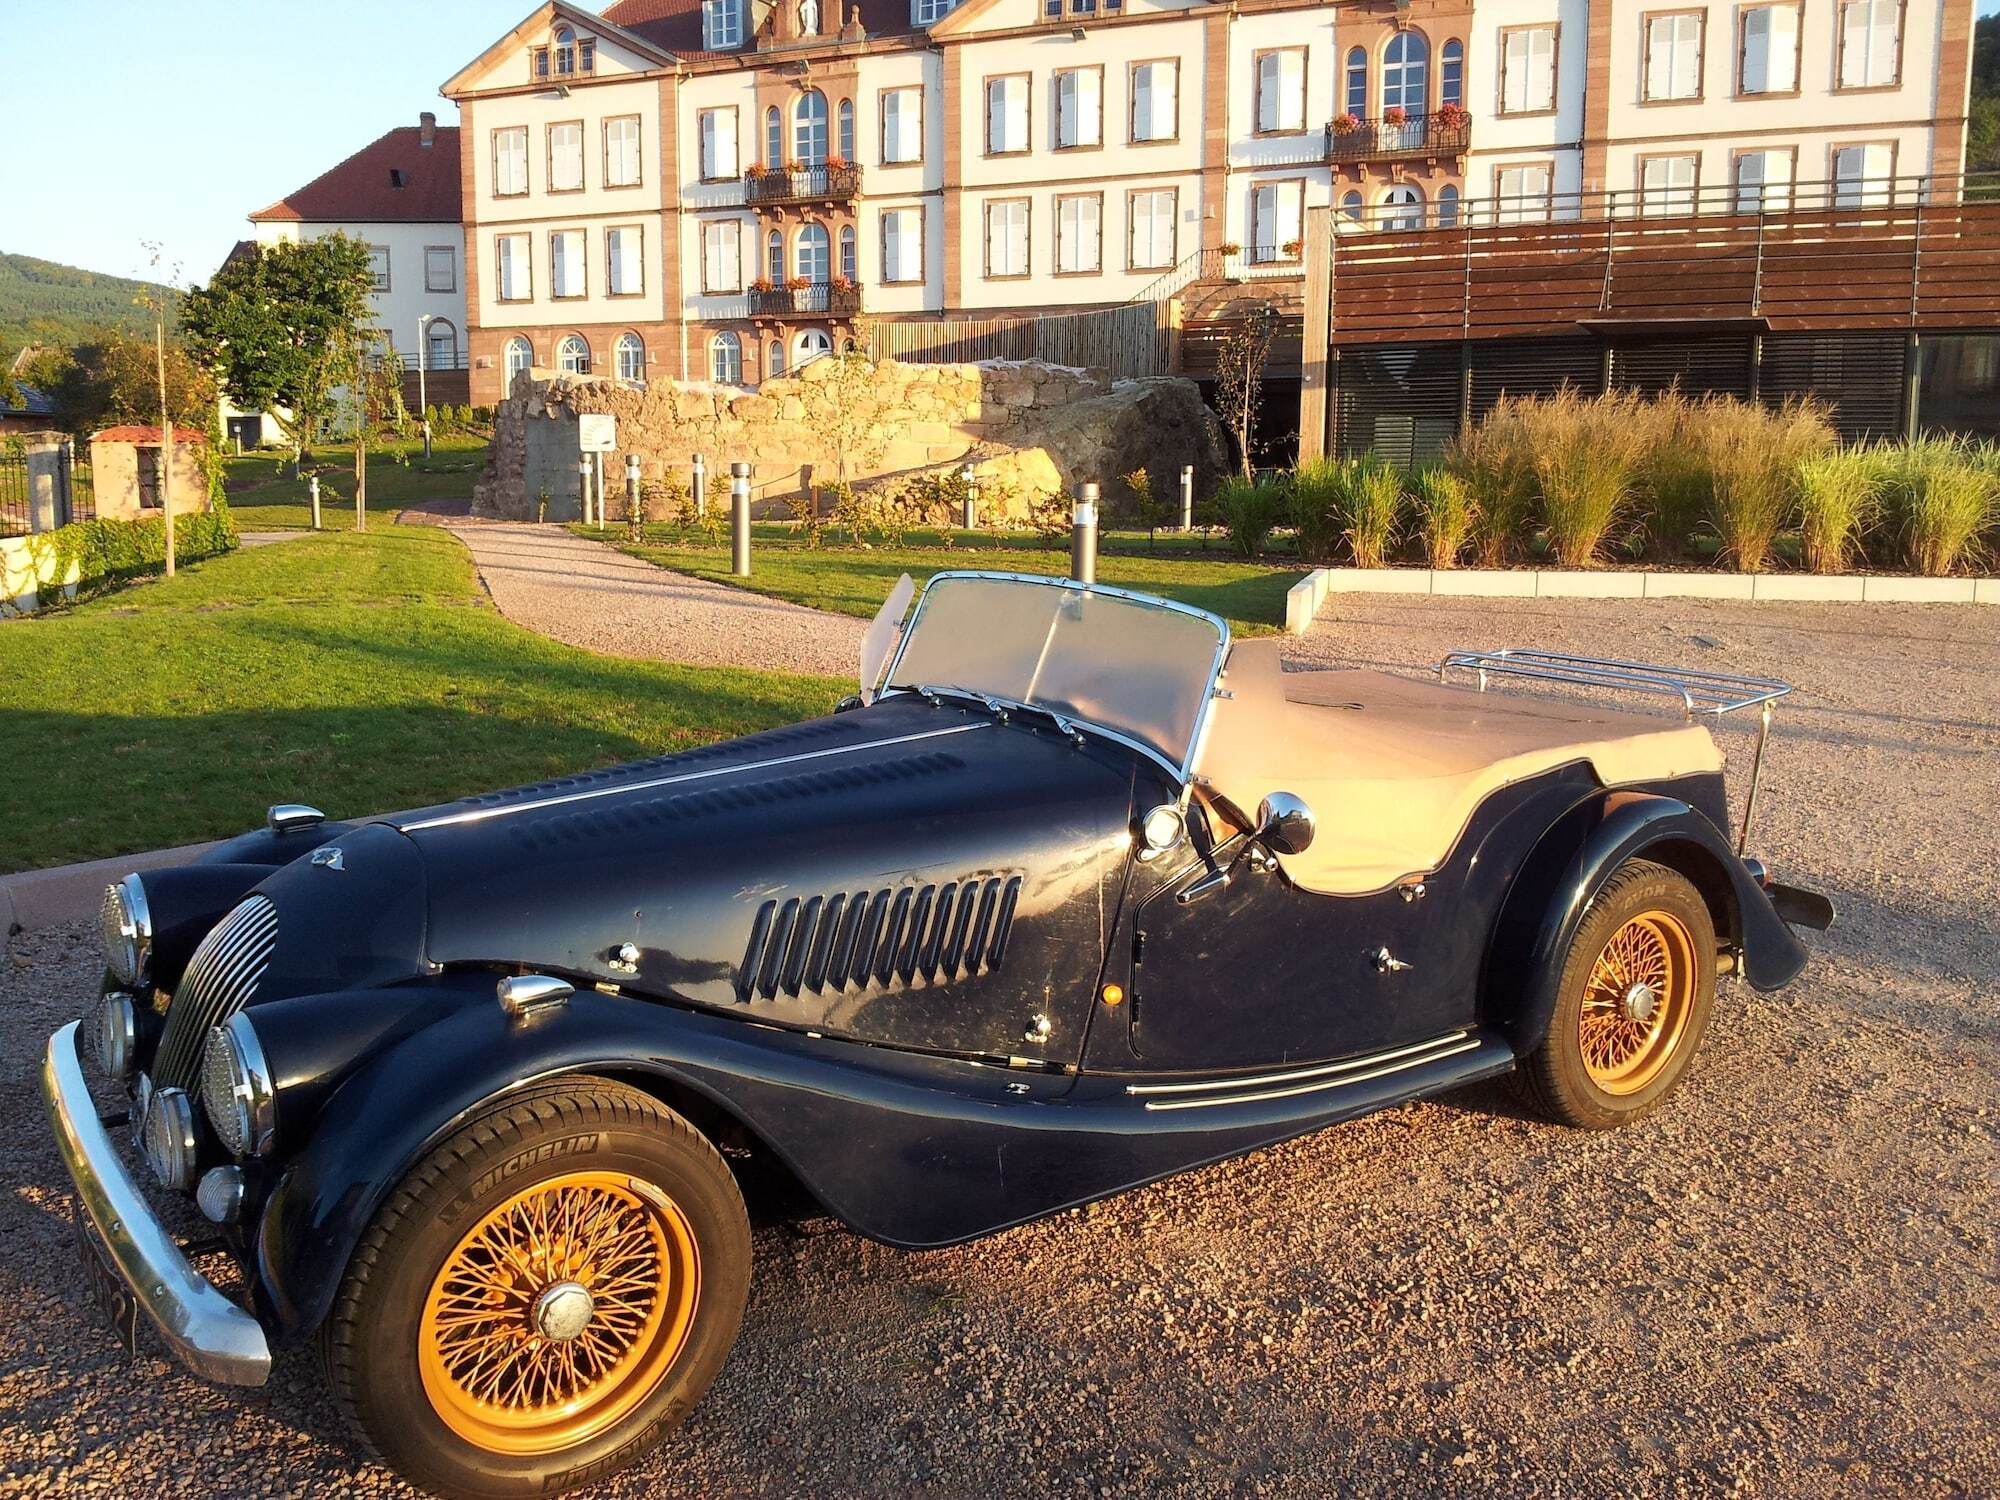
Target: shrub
[(1446, 514), (1314, 497), (1587, 456), (108, 553), (1148, 509), (1752, 456), (1049, 516), (1249, 510), (1496, 460), (803, 507), (1372, 508), (1943, 493), (1839, 496)]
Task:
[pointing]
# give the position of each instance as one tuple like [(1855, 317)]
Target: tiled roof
[(144, 435), (362, 189), (675, 25)]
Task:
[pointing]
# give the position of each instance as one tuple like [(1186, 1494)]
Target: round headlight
[(128, 929), (167, 1137), (116, 1028), (236, 1092)]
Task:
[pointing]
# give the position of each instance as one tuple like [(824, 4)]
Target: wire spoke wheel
[(559, 1312), (1637, 1002)]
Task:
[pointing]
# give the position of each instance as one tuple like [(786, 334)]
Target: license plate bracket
[(113, 1301)]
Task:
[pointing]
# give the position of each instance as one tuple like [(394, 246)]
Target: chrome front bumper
[(212, 1335)]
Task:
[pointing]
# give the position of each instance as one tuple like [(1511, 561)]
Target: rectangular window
[(1277, 209), (1667, 185), (1006, 239), (1152, 214), (510, 162), (541, 63), (440, 268), (1079, 234), (1007, 115), (1281, 91), (722, 255), (1673, 56), (721, 24), (1079, 108), (933, 10), (719, 160), (1527, 70), (1156, 101), (902, 246), (902, 126), (1763, 180), (1871, 43), (378, 267), (517, 278), (1864, 175), (566, 157), (624, 261), (566, 268), (1769, 61), (621, 151), (1522, 194)]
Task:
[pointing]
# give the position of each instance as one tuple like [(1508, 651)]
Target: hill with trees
[(42, 302)]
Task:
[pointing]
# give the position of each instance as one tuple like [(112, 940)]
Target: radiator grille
[(853, 939), (220, 980)]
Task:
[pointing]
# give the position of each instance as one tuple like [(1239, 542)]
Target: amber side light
[(1114, 994)]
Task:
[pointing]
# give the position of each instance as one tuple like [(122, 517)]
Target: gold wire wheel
[(1637, 1002), (558, 1313)]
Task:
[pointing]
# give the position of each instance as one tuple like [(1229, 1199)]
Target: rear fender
[(1548, 899)]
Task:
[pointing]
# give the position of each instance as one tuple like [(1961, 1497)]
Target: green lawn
[(357, 673), (854, 581), (264, 499)]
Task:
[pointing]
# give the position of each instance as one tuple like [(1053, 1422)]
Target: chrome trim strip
[(480, 815), (1468, 1044), (212, 1335), (1258, 1080)]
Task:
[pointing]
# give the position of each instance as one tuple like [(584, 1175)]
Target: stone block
[(1920, 590)]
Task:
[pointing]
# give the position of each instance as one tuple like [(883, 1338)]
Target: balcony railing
[(827, 299), (770, 187), (1384, 140)]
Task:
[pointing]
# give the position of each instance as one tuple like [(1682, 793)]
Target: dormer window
[(565, 50), (569, 55), (924, 12), (721, 24)]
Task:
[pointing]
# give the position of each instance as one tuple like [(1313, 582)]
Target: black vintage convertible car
[(1074, 895)]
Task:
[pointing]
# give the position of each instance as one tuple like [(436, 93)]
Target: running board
[(1399, 1072)]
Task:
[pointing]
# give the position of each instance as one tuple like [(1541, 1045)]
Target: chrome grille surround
[(221, 979)]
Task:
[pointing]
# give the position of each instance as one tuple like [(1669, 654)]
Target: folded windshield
[(1138, 667)]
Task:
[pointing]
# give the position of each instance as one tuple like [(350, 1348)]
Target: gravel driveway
[(1784, 1284)]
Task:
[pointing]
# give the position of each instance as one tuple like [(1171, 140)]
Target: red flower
[(1396, 116), (800, 283), (755, 169), (1454, 116), (1346, 124), (761, 284)]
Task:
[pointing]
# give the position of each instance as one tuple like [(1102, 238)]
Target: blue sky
[(177, 120)]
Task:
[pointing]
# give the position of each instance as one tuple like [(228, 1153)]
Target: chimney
[(427, 128)]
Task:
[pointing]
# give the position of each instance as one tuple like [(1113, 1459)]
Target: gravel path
[(591, 595), (1786, 1284)]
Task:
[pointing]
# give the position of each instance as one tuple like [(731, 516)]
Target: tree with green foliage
[(1982, 143), (285, 326), (111, 377)]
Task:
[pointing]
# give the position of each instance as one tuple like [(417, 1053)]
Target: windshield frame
[(1183, 770)]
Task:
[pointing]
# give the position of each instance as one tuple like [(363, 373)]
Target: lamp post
[(424, 321), (971, 479), (739, 519), (1083, 534)]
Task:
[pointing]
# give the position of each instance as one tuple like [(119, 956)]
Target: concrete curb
[(1305, 597), (35, 899)]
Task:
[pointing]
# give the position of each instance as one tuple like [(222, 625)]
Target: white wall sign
[(596, 432)]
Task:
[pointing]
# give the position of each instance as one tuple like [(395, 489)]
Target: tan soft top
[(1394, 768)]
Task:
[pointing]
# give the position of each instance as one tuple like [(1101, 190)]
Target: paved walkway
[(588, 594), (34, 899)]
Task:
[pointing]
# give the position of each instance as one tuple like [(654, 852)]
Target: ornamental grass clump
[(1495, 461), (1943, 494), (1676, 480), (1249, 510), (1753, 456), (1840, 498), (1446, 514), (1314, 496), (1371, 508), (1588, 454)]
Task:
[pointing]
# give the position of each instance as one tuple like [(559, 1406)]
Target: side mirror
[(1285, 825)]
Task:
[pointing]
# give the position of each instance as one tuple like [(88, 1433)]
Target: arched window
[(809, 128), (848, 262), (441, 345), (774, 359), (813, 254), (520, 354), (1401, 208), (774, 258), (774, 138), (630, 353), (565, 52), (846, 148), (1350, 208), (812, 344), (1357, 83), (1447, 207), (1451, 73), (725, 359), (573, 355), (1406, 74)]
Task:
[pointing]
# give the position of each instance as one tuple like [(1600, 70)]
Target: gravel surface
[(587, 594), (1786, 1283)]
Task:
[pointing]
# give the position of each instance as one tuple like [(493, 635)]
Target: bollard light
[(1187, 497), (632, 494), (1083, 534), (312, 489), (700, 487), (971, 497), (583, 469), (739, 519)]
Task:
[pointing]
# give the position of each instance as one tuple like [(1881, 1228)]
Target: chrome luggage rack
[(1710, 693)]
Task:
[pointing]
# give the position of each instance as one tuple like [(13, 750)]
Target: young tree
[(160, 304), (284, 325), (1239, 376)]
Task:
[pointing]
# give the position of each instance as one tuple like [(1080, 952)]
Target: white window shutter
[(1089, 108), (1783, 45)]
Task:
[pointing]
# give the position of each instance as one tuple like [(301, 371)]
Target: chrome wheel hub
[(1639, 1003), (562, 1311)]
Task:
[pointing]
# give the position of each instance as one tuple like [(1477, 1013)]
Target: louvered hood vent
[(854, 939), (221, 978)]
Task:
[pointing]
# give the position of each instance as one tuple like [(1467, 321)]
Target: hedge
[(106, 554)]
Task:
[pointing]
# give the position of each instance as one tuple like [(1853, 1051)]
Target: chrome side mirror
[(1285, 825)]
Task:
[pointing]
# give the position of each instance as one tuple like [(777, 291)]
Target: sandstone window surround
[(566, 156), (809, 125), (1007, 239), (902, 126), (1277, 220), (510, 162), (719, 157), (1281, 91), (518, 356), (1079, 234), (1524, 192), (1764, 178), (1152, 224), (517, 276), (722, 255), (902, 246), (1155, 86), (1451, 73), (629, 357), (1674, 42), (1669, 185), (625, 260), (1869, 39), (1528, 56), (622, 162), (1356, 100), (1079, 109), (1007, 115), (725, 359), (573, 355), (1864, 173), (568, 266), (1767, 54)]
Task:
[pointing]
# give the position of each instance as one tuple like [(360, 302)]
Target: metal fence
[(13, 492)]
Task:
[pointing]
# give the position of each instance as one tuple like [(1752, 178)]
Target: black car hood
[(815, 875)]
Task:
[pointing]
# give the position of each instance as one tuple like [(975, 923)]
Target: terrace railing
[(1349, 139), (770, 187)]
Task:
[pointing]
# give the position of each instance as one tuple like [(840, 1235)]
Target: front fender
[(1570, 865)]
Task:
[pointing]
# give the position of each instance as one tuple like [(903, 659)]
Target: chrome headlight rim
[(115, 1032), (168, 1140), (237, 1094), (127, 923)]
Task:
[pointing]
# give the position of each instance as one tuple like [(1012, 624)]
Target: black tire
[(1643, 904), (380, 1341)]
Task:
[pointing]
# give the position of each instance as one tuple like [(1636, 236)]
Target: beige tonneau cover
[(1394, 768)]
